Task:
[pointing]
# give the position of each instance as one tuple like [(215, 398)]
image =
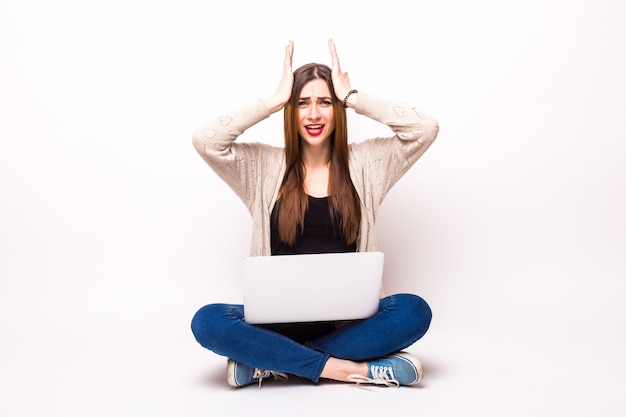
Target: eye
[(327, 102), (302, 103)]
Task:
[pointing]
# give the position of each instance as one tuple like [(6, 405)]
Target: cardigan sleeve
[(239, 164), (380, 162)]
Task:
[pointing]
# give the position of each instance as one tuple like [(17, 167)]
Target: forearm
[(220, 132), (404, 119), (274, 104)]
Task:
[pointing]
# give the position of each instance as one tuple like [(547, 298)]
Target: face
[(316, 119)]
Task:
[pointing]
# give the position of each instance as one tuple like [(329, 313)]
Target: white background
[(113, 231)]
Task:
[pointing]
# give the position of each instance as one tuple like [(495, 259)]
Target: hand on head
[(283, 92), (341, 80)]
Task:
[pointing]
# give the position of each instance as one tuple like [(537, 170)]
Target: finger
[(289, 53), (333, 53)]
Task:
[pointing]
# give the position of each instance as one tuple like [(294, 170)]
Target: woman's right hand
[(283, 92)]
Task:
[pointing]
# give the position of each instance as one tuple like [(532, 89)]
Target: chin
[(316, 141)]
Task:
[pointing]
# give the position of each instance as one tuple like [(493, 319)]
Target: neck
[(316, 157)]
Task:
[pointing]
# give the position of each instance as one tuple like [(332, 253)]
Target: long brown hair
[(343, 201)]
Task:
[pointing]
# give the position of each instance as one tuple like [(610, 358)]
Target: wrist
[(273, 104), (350, 99)]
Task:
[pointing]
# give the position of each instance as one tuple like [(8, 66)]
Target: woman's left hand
[(341, 80)]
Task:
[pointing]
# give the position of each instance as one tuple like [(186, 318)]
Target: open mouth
[(314, 130)]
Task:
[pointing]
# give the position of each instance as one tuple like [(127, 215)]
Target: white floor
[(63, 356)]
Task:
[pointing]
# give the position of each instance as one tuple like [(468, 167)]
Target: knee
[(417, 313), (209, 323)]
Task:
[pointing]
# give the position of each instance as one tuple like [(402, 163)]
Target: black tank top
[(318, 235)]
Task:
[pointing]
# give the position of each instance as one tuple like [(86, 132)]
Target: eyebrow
[(319, 98)]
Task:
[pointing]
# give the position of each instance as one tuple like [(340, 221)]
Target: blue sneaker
[(240, 375), (401, 368)]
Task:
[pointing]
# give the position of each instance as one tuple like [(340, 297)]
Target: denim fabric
[(401, 320)]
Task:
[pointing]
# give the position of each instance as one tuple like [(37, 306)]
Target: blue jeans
[(401, 320)]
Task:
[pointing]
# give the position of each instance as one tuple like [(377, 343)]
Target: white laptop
[(317, 287)]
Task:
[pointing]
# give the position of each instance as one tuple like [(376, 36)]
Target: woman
[(317, 194)]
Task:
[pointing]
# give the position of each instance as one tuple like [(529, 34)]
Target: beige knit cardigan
[(255, 170)]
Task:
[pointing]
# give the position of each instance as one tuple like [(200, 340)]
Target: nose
[(313, 111)]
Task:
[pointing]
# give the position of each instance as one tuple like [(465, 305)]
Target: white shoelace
[(381, 375), (261, 374)]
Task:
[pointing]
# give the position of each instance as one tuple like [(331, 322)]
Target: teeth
[(315, 126)]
